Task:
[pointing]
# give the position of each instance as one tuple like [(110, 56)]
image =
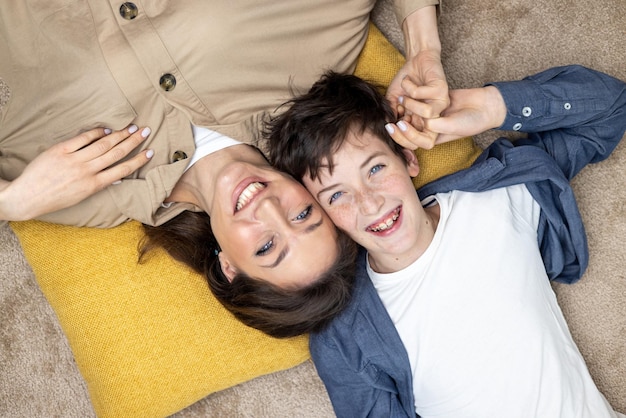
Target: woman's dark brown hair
[(275, 311)]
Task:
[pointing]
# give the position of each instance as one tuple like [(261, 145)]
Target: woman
[(75, 65), (254, 241)]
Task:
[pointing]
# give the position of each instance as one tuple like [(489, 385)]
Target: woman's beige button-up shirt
[(72, 65)]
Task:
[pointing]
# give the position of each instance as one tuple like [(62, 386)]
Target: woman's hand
[(420, 91), (71, 171), (420, 87), (417, 104)]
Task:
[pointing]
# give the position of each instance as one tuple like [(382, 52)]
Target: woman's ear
[(227, 268), (412, 165)]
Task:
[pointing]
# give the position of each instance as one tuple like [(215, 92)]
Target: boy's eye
[(264, 250), (376, 169), (305, 213), (334, 197)]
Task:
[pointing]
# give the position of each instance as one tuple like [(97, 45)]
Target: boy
[(452, 315)]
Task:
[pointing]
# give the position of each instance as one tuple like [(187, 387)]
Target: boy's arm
[(574, 116), (577, 115), (349, 393)]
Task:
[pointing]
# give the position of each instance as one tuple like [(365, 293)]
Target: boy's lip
[(246, 185), (386, 224)]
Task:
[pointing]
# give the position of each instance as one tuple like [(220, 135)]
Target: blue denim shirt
[(573, 116)]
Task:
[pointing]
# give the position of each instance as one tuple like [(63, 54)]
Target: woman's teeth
[(385, 224), (247, 194)]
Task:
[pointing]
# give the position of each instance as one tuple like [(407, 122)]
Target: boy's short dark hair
[(314, 126)]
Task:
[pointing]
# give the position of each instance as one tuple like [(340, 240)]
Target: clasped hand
[(71, 171), (430, 114)]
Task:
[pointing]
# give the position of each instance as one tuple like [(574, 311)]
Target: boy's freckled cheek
[(343, 216), (392, 183)]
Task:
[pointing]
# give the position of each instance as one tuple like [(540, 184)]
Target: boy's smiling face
[(370, 195)]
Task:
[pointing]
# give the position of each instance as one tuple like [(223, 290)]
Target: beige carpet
[(483, 41)]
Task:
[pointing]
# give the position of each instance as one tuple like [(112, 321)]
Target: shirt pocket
[(59, 81)]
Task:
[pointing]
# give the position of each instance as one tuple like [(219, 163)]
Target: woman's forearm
[(420, 31), (9, 208)]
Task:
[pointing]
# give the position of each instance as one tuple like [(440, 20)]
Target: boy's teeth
[(386, 224), (247, 194)]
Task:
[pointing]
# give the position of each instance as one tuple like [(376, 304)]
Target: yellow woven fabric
[(150, 339)]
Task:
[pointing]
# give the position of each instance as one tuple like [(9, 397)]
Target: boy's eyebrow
[(363, 165)]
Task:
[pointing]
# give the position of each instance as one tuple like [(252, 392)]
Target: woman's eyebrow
[(279, 259)]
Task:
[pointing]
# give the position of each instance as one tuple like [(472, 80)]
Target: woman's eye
[(334, 197), (376, 169), (266, 248), (305, 213)]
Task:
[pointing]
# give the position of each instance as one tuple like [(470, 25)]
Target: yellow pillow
[(150, 339)]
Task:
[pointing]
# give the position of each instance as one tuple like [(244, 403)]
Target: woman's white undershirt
[(207, 142)]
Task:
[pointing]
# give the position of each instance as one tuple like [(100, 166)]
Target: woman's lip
[(240, 188)]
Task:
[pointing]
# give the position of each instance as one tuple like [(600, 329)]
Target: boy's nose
[(369, 202)]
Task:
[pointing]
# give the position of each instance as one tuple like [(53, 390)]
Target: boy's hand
[(471, 112), (71, 171)]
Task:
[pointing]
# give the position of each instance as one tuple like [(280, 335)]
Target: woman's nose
[(271, 212)]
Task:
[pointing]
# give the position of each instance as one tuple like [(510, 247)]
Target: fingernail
[(401, 99), (402, 126), (146, 131), (107, 131), (149, 153), (389, 128), (132, 129), (117, 182)]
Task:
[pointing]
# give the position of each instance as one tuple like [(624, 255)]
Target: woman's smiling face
[(269, 226)]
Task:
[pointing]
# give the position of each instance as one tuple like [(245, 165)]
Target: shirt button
[(178, 155), (517, 126), (527, 111), (567, 106), (128, 10), (167, 82)]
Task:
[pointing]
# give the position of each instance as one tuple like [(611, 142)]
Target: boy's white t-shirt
[(479, 320)]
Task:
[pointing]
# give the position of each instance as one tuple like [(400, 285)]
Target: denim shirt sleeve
[(354, 393), (361, 359), (575, 114)]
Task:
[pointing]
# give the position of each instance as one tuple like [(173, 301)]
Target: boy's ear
[(411, 162), (227, 268)]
